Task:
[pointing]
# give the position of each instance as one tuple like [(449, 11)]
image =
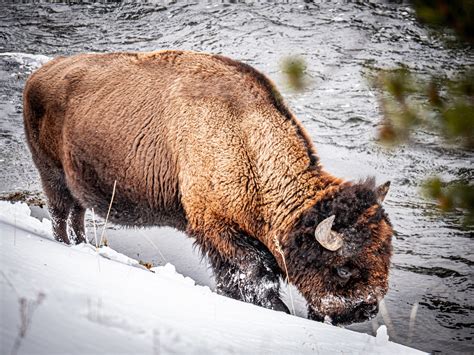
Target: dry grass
[(280, 251), (411, 325), (95, 229), (103, 241), (153, 245), (390, 327), (146, 264), (386, 319)]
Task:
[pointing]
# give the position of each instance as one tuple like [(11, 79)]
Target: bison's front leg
[(249, 279), (244, 269)]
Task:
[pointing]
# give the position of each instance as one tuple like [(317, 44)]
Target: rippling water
[(433, 260)]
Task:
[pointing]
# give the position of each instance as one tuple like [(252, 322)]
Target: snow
[(18, 215), (27, 58), (81, 300), (26, 62), (382, 335)]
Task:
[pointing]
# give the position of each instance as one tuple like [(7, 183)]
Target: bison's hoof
[(62, 240), (80, 240)]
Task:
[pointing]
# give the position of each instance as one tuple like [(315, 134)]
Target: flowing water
[(430, 302)]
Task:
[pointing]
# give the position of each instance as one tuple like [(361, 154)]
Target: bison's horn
[(326, 237)]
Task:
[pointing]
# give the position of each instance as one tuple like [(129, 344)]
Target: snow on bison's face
[(340, 252)]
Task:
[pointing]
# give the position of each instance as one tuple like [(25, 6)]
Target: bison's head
[(338, 254)]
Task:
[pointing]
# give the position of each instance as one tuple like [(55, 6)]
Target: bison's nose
[(366, 311), (372, 310)]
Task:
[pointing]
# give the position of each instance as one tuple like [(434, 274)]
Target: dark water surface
[(433, 257)]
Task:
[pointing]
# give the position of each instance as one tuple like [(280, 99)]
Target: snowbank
[(78, 300)]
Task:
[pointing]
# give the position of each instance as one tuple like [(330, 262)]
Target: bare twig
[(411, 326), (108, 212), (95, 237), (386, 319), (375, 326), (95, 228), (153, 244), (280, 251)]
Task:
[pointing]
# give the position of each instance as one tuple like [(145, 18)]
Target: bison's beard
[(340, 311)]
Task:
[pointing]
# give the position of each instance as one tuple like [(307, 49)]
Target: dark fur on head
[(346, 284)]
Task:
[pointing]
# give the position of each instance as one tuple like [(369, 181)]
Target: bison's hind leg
[(244, 268), (62, 206), (76, 220)]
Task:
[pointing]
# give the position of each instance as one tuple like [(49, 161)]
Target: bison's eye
[(344, 273)]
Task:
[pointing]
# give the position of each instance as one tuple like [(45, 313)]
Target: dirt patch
[(28, 197)]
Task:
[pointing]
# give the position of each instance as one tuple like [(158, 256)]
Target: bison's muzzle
[(361, 312)]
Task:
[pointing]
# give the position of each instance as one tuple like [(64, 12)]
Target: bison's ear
[(381, 191)]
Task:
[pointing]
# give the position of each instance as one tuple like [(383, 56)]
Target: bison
[(206, 145)]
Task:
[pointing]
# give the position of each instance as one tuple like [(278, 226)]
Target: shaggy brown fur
[(204, 144)]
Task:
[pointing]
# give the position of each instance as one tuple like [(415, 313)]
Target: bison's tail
[(41, 100), (33, 113)]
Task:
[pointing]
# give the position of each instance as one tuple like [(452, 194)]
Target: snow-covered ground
[(84, 300)]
